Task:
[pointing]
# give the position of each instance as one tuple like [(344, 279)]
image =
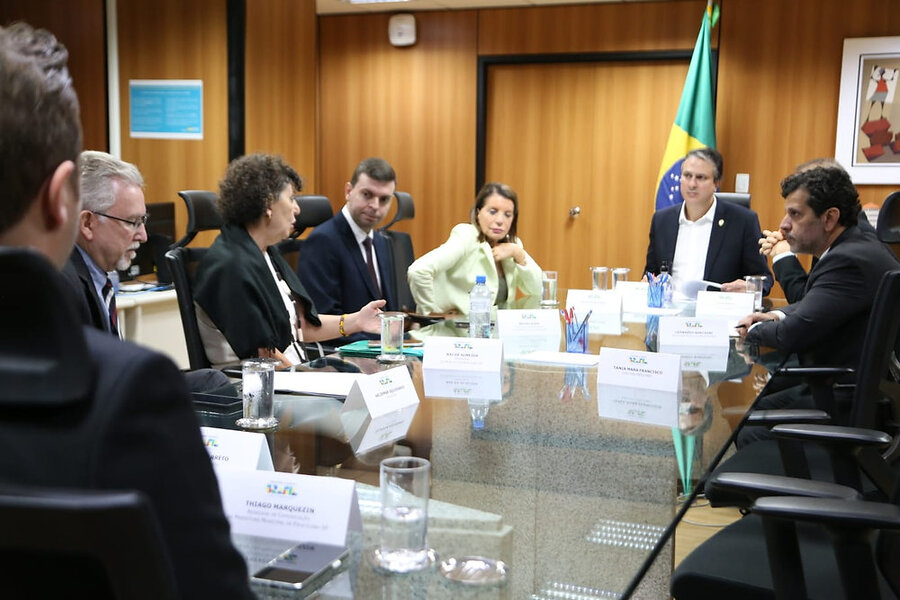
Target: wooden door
[(586, 135)]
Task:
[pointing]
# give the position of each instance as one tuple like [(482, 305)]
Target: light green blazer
[(441, 280)]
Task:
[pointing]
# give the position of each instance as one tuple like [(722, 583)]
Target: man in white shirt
[(703, 239)]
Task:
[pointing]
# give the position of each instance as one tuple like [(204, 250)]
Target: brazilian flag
[(695, 123)]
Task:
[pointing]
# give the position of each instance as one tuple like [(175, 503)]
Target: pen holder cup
[(577, 337), (655, 293)]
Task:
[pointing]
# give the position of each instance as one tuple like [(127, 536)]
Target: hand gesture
[(772, 243)]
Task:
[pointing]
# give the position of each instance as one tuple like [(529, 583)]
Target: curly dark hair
[(251, 184), (827, 186)]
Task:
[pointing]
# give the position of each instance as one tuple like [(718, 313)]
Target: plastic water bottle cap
[(480, 279)]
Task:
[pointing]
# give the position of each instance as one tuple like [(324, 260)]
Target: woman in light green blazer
[(441, 280)]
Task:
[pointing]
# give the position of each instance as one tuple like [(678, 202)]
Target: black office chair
[(183, 263), (81, 544), (734, 197), (888, 227), (201, 212), (401, 248), (798, 547), (851, 455), (314, 210)]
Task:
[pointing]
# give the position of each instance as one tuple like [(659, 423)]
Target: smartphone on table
[(303, 568)]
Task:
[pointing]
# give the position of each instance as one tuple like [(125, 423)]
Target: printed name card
[(633, 368), (463, 367), (681, 332), (605, 308), (651, 407), (634, 295), (288, 506), (379, 409), (524, 331), (703, 360), (731, 305), (241, 449)]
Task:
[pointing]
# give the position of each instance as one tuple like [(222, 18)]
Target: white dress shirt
[(691, 246), (361, 235)]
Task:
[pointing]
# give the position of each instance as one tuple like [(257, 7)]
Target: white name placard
[(463, 367), (379, 409), (605, 308), (638, 405), (731, 305), (241, 449), (288, 506), (634, 296), (633, 368), (708, 332), (695, 358), (524, 331)]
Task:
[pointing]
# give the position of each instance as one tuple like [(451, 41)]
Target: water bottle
[(668, 288), (480, 309)]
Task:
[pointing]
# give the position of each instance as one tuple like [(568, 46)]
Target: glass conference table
[(572, 502)]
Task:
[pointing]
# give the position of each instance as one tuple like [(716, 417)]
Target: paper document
[(690, 288), (319, 384)]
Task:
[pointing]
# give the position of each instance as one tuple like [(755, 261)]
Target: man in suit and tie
[(702, 238), (131, 427), (111, 226), (345, 263)]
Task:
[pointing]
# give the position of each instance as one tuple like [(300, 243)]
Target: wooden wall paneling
[(171, 39), (587, 135), (590, 28), (413, 106), (281, 83), (80, 27), (779, 79)]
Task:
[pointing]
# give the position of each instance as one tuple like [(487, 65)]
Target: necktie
[(109, 298), (371, 263)]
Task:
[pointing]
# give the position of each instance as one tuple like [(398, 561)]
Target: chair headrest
[(314, 210), (888, 228), (405, 209), (202, 213), (42, 342)]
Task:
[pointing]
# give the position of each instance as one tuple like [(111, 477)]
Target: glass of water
[(405, 487), (599, 278), (258, 388), (548, 288), (755, 285)]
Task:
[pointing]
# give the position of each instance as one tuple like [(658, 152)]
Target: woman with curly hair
[(250, 303)]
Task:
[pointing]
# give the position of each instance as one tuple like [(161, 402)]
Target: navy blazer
[(334, 273), (733, 244), (91, 309)]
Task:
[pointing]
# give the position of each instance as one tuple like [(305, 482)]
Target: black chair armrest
[(873, 515), (832, 435), (814, 372), (756, 485), (770, 418)]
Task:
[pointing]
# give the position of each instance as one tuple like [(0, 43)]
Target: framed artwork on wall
[(868, 127)]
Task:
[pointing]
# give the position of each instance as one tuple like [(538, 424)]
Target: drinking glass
[(405, 487), (620, 274), (548, 288), (391, 337), (755, 286), (258, 388), (600, 278)]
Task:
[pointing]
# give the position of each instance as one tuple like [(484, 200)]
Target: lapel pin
[(721, 222)]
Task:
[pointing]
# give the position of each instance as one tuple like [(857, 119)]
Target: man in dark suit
[(789, 273), (345, 263), (827, 326), (111, 226), (702, 238), (133, 427)]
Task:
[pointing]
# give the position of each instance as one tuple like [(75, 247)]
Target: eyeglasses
[(135, 224)]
